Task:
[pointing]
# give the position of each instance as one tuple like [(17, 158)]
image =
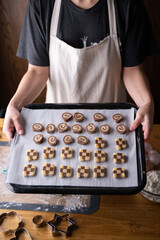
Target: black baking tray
[(141, 166)]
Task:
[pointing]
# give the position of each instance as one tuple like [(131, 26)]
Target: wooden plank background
[(12, 68)]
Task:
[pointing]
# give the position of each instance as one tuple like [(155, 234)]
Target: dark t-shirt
[(82, 28)]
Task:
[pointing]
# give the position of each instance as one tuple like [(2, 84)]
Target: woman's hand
[(13, 120), (144, 116)]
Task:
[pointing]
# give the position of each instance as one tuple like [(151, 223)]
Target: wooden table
[(118, 217)]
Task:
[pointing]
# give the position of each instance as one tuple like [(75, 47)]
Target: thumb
[(18, 126), (136, 122)]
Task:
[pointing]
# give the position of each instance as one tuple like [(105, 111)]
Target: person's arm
[(31, 85), (137, 86)]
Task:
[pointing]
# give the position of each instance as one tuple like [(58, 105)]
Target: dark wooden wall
[(12, 68)]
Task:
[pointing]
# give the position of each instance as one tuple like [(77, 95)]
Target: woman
[(89, 51)]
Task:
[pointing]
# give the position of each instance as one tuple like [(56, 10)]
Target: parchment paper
[(20, 145)]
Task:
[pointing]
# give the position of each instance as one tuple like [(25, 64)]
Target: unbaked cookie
[(119, 158), (37, 127), (67, 116), (52, 140), (48, 153), (29, 170), (32, 155), (50, 128), (83, 172), (48, 169), (82, 140), (84, 155), (67, 152), (99, 142), (91, 128), (117, 117), (65, 171), (67, 139), (77, 128), (104, 129), (99, 156), (38, 138), (121, 143), (62, 127), (78, 117), (119, 172), (99, 171), (98, 117), (121, 128)]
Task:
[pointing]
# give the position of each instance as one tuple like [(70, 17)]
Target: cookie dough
[(121, 128), (118, 158), (78, 117), (99, 142), (65, 171), (67, 139), (50, 128), (67, 152), (99, 156), (37, 127), (117, 117), (32, 155), (83, 172), (48, 169), (77, 128), (91, 128), (104, 129), (121, 143), (62, 127), (82, 140), (48, 153), (67, 116), (119, 172), (99, 171), (84, 155), (52, 140), (38, 138), (29, 170), (98, 117)]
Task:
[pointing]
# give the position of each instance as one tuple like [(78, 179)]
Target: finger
[(18, 126), (8, 131), (136, 122)]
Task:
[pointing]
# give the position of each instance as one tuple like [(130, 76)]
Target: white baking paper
[(20, 145)]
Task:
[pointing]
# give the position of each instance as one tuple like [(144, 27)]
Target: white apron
[(87, 75)]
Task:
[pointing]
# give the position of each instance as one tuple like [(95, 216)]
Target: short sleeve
[(139, 40), (32, 45)]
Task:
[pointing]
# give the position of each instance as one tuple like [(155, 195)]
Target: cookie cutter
[(19, 232), (10, 214), (57, 220), (38, 221)]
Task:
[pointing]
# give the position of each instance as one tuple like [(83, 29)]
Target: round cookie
[(78, 117), (52, 140), (37, 127), (117, 117), (104, 129), (62, 127), (77, 128), (67, 116), (98, 117), (38, 138), (121, 128), (82, 140), (50, 128), (91, 128), (67, 139)]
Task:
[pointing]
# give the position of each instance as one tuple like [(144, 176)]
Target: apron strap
[(55, 17), (112, 17)]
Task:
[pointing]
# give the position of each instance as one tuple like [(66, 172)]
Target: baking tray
[(140, 154)]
